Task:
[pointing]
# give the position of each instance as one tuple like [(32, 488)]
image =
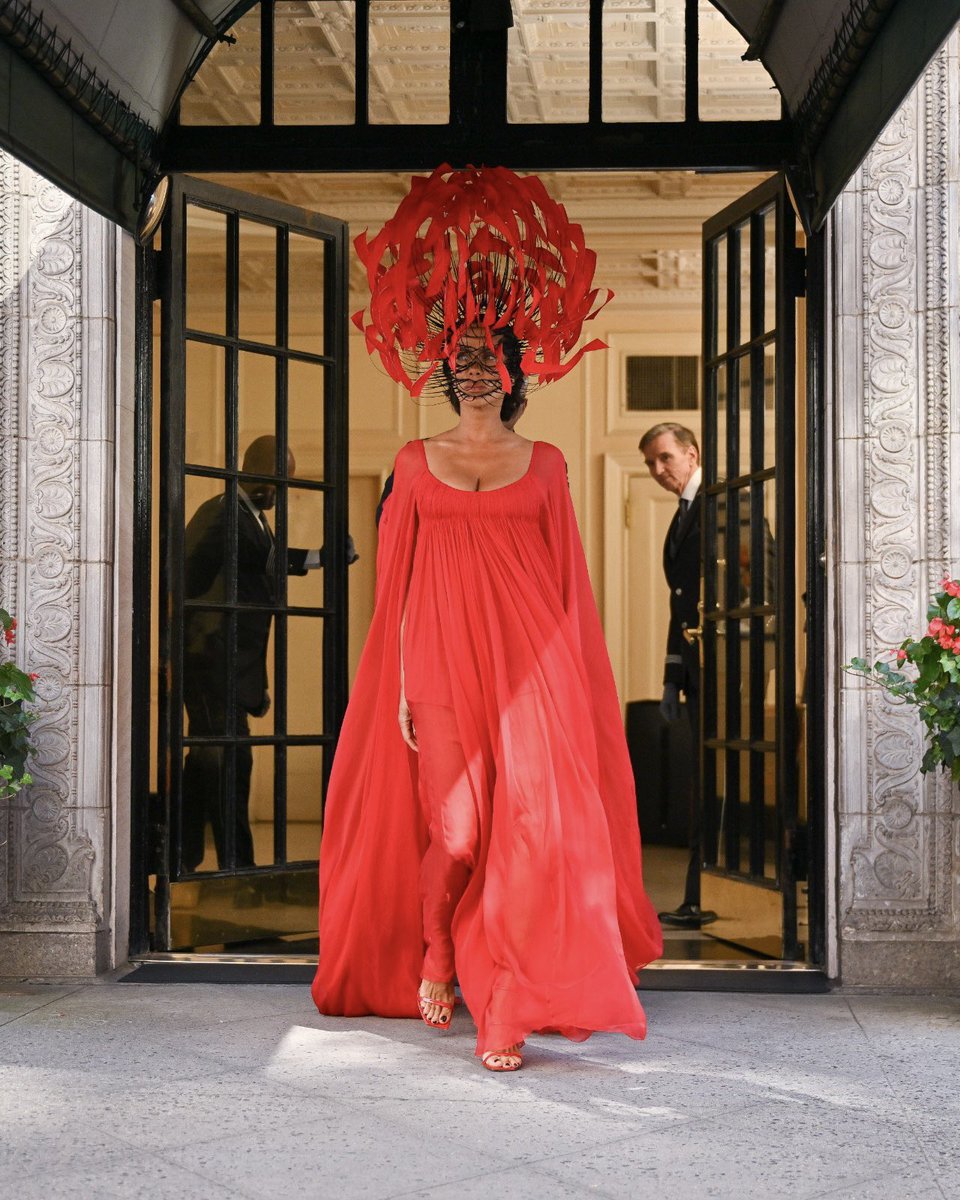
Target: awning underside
[(92, 117)]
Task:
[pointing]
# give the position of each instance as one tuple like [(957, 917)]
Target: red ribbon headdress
[(480, 247)]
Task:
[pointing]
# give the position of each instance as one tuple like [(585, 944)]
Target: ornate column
[(896, 528), (57, 373)]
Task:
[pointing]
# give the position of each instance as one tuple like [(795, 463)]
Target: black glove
[(670, 702)]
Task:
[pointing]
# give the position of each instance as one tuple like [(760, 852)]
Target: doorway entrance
[(650, 254), (595, 421)]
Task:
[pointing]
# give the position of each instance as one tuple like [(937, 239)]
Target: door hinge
[(627, 518), (797, 272)]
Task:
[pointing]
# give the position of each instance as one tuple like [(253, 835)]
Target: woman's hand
[(406, 725)]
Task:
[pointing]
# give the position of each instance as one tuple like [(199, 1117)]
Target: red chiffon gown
[(502, 640)]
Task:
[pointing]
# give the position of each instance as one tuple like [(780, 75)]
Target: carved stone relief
[(897, 272), (56, 489)]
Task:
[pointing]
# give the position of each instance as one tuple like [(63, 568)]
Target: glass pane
[(723, 342), (731, 89), (744, 706), (409, 63), (769, 219), (203, 785), (206, 635), (314, 63), (730, 823), (305, 675), (226, 89), (769, 405), (259, 663), (742, 502), (715, 547), (744, 466), (756, 817), (206, 299), (259, 808), (731, 683), (305, 400), (758, 676), (730, 459), (305, 532), (719, 681), (206, 438), (306, 273), (644, 66), (548, 62), (256, 412), (771, 820), (205, 541), (304, 781), (769, 587), (258, 282), (721, 806), (745, 278)]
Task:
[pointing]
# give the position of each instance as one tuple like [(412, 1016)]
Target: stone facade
[(896, 412), (57, 370)]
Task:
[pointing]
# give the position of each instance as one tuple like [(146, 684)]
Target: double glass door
[(252, 553)]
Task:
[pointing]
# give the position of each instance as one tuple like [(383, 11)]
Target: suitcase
[(663, 758)]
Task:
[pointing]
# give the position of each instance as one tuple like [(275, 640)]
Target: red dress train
[(502, 631)]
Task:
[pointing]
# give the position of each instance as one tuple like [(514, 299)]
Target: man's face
[(264, 495), (670, 462)]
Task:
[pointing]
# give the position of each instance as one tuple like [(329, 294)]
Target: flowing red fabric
[(481, 247), (502, 627)]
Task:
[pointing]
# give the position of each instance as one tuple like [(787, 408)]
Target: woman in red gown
[(484, 828)]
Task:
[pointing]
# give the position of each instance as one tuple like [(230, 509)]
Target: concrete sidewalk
[(244, 1091)]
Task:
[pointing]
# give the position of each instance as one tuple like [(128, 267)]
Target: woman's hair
[(512, 354)]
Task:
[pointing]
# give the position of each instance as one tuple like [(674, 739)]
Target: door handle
[(694, 635)]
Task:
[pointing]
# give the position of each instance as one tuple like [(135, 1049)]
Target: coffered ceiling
[(644, 226), (547, 71)]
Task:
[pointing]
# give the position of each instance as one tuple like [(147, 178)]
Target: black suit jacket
[(681, 565), (205, 648)]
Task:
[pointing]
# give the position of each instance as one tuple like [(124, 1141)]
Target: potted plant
[(925, 672), (16, 689)]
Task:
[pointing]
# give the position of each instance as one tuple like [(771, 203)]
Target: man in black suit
[(672, 456), (206, 651)]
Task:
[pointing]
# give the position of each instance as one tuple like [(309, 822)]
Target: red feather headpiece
[(481, 247)]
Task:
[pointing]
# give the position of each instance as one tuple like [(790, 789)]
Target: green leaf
[(953, 609)]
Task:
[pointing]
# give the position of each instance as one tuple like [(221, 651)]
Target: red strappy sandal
[(511, 1060), (446, 1012)]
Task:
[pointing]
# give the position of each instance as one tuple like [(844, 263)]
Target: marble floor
[(140, 1090)]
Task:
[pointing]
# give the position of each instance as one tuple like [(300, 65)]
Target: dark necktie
[(674, 540)]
